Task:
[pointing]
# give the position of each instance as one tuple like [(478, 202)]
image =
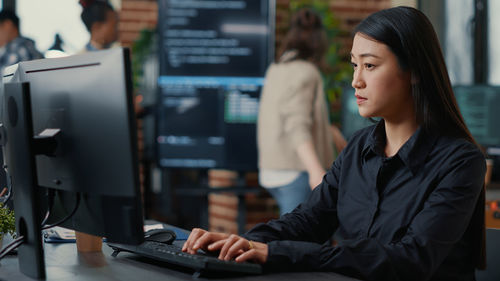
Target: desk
[(63, 263)]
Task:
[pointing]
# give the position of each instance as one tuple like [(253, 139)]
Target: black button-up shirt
[(414, 216)]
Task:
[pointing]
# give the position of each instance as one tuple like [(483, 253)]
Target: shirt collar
[(90, 47), (375, 141), (413, 153)]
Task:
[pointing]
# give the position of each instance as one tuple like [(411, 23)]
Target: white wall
[(494, 42), (41, 20), (458, 43)]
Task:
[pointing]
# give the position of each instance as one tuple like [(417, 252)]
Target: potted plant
[(7, 222)]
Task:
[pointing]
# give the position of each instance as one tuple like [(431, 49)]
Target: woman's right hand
[(201, 239), (231, 246)]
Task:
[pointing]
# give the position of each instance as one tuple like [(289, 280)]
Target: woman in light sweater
[(294, 133)]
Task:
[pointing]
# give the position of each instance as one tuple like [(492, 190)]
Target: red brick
[(138, 15), (140, 5)]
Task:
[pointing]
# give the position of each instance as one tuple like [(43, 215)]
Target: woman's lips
[(360, 99)]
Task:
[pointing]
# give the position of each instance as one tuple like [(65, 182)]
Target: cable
[(67, 217), (50, 203), (4, 190), (4, 199), (20, 240), (13, 245)]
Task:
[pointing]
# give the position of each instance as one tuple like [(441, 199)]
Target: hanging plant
[(7, 221), (141, 49)]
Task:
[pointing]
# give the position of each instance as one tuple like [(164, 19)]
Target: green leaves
[(141, 49), (7, 221)]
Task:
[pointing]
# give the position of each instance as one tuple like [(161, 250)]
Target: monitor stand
[(19, 145)]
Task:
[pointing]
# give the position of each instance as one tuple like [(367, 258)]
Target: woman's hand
[(240, 249), (201, 239), (230, 246)]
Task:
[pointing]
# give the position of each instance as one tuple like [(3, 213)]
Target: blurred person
[(101, 20), (295, 138), (406, 195), (14, 47)]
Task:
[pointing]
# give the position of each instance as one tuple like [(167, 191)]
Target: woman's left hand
[(240, 249)]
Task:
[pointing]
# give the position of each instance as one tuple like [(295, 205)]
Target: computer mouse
[(166, 236)]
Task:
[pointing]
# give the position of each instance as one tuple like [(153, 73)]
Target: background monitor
[(350, 118), (213, 58), (89, 98), (480, 106)]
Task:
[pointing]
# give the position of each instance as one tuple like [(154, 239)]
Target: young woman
[(406, 195), (101, 21), (294, 136)]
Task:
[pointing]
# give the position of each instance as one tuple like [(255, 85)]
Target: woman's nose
[(357, 81)]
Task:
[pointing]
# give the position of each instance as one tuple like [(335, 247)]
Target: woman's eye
[(354, 65), (369, 66)]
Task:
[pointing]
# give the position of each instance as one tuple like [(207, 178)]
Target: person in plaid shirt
[(13, 47)]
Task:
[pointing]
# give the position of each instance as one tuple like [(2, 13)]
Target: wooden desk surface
[(63, 263)]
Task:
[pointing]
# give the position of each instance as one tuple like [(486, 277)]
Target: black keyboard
[(201, 263)]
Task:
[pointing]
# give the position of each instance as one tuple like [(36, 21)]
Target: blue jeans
[(291, 195)]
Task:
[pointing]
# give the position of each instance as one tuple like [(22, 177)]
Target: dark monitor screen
[(89, 98), (350, 118), (215, 38), (480, 106), (213, 58)]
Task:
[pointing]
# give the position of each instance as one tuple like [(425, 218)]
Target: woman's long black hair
[(410, 36)]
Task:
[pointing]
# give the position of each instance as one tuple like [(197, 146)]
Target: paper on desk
[(61, 234), (153, 226)]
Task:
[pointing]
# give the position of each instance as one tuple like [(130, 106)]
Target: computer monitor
[(479, 105), (350, 119), (213, 59), (88, 98)]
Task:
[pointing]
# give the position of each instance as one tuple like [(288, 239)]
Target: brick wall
[(136, 15)]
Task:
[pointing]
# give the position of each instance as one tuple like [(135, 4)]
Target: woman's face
[(382, 88), (106, 32), (110, 27)]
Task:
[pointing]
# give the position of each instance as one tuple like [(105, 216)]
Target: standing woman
[(101, 21), (406, 195), (294, 139)]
